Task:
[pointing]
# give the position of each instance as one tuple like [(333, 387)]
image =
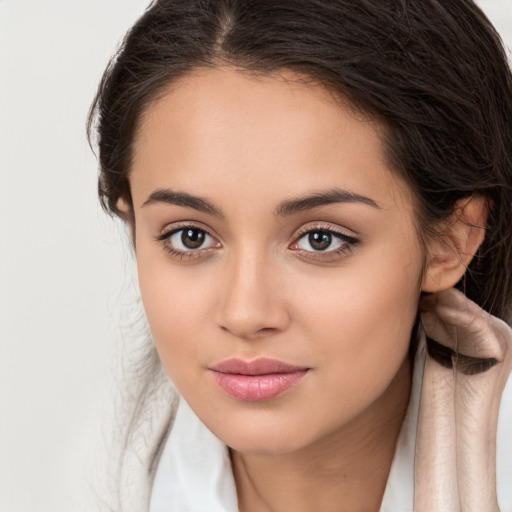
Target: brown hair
[(433, 72)]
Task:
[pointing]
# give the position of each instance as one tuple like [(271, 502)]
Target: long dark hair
[(433, 73)]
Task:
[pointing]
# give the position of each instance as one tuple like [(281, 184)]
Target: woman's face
[(278, 259)]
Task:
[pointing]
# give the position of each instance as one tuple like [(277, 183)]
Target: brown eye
[(192, 238), (320, 240), (188, 239), (325, 242)]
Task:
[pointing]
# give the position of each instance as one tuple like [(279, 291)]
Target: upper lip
[(260, 366)]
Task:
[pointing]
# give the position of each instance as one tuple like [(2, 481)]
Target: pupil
[(192, 238), (320, 240)]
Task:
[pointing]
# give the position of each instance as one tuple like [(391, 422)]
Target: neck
[(346, 471)]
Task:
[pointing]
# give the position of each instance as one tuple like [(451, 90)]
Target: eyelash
[(165, 237), (348, 243)]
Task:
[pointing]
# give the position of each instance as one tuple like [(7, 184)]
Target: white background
[(61, 260)]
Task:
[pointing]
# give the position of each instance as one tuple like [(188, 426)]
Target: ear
[(450, 253), (125, 210)]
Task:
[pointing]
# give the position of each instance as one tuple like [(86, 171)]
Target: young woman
[(304, 181)]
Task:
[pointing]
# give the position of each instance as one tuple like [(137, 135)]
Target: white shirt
[(194, 472)]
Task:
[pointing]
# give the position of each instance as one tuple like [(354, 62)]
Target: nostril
[(266, 330), (248, 333)]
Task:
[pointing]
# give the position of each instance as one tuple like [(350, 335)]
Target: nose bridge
[(251, 301)]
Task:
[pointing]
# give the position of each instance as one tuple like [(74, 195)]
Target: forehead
[(219, 127)]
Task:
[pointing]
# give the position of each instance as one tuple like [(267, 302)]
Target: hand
[(461, 332), (466, 369)]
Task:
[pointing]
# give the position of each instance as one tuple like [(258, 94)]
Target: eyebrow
[(286, 208), (316, 200), (182, 199)]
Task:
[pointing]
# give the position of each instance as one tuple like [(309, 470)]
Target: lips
[(257, 380)]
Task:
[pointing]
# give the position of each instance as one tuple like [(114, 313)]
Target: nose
[(252, 301)]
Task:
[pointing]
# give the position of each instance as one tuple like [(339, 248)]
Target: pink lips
[(257, 380)]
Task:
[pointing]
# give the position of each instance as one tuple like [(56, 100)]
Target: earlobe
[(125, 210), (450, 253)]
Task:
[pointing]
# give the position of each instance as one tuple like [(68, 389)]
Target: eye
[(187, 241), (319, 241), (323, 244)]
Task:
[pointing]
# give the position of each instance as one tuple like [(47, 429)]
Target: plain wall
[(62, 261)]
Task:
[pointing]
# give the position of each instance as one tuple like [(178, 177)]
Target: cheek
[(175, 305), (361, 318), (353, 320), (351, 323)]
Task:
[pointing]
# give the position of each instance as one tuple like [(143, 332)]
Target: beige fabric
[(464, 379), (455, 460)]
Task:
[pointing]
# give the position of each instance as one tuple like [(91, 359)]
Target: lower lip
[(257, 388)]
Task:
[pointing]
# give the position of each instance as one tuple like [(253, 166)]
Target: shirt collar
[(194, 473)]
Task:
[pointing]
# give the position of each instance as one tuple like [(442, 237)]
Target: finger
[(478, 347), (477, 401), (435, 472), (454, 321)]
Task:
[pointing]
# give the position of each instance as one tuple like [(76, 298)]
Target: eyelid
[(349, 242), (176, 253), (174, 227), (330, 228)]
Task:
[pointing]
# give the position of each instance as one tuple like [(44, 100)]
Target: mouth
[(258, 380)]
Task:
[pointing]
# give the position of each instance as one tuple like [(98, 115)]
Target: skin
[(258, 288), (455, 463)]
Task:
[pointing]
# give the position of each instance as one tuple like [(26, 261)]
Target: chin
[(263, 438), (261, 445)]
